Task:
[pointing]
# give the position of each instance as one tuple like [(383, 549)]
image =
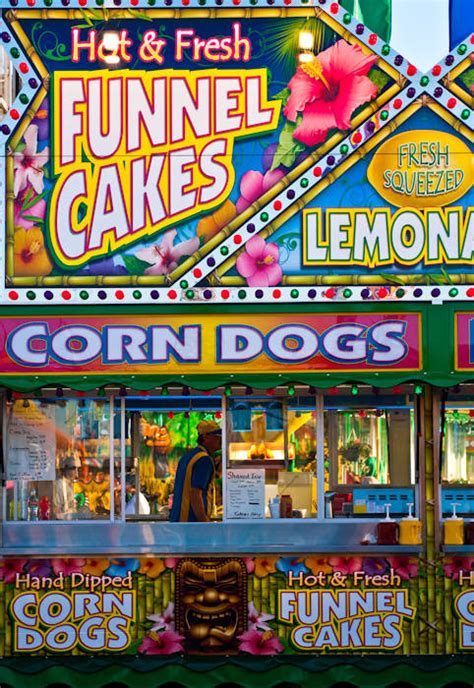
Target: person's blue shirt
[(195, 469)]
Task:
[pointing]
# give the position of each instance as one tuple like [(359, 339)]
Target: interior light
[(110, 40), (306, 57), (306, 40)]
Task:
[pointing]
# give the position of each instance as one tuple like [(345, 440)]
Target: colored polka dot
[(207, 293), (373, 39), (317, 172), (225, 293), (102, 294), (237, 239), (312, 293), (211, 262), (155, 294), (13, 295), (197, 273), (259, 294), (397, 103), (119, 294), (277, 205), (276, 293), (172, 294), (411, 70), (436, 71), (251, 228), (452, 103), (66, 295)]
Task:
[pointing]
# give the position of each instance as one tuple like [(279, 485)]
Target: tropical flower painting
[(317, 93)]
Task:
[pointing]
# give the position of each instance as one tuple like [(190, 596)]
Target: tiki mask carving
[(211, 603)]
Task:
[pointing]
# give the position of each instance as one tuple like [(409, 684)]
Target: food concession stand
[(257, 214)]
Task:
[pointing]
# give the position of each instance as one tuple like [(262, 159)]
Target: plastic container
[(387, 530), (454, 528), (411, 529)]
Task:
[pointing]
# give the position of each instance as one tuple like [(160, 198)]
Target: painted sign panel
[(167, 150), (464, 341), (261, 605), (178, 343)]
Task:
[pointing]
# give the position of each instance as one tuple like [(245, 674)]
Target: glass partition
[(169, 463), (370, 447), (159, 432), (457, 463), (275, 438), (58, 455)]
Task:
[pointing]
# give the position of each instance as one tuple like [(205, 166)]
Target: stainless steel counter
[(163, 538)]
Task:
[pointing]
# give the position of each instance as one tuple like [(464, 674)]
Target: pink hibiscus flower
[(28, 164), (67, 566), (165, 643), (254, 184), (454, 565), (10, 567), (259, 263), (346, 565), (405, 567), (249, 564), (258, 620), (256, 643), (163, 257), (164, 621), (328, 89)]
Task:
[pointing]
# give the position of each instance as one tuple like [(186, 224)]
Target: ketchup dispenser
[(387, 529)]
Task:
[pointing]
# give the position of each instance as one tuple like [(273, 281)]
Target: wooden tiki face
[(211, 603)]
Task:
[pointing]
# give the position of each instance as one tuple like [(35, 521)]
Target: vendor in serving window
[(64, 499), (192, 497)]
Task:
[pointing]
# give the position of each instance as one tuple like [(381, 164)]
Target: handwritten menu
[(245, 493), (30, 442)]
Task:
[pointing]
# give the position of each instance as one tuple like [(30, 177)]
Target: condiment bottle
[(286, 506), (387, 530), (410, 529), (454, 528)]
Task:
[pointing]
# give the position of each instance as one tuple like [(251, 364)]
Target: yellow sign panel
[(422, 169)]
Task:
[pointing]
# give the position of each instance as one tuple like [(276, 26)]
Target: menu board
[(245, 493), (30, 442)]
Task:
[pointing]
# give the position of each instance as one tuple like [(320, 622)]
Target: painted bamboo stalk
[(449, 632), (8, 623), (257, 593), (415, 624), (167, 594), (266, 594), (141, 601), (250, 587), (158, 594), (422, 625), (149, 596), (273, 595), (10, 228), (430, 489), (440, 618)]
